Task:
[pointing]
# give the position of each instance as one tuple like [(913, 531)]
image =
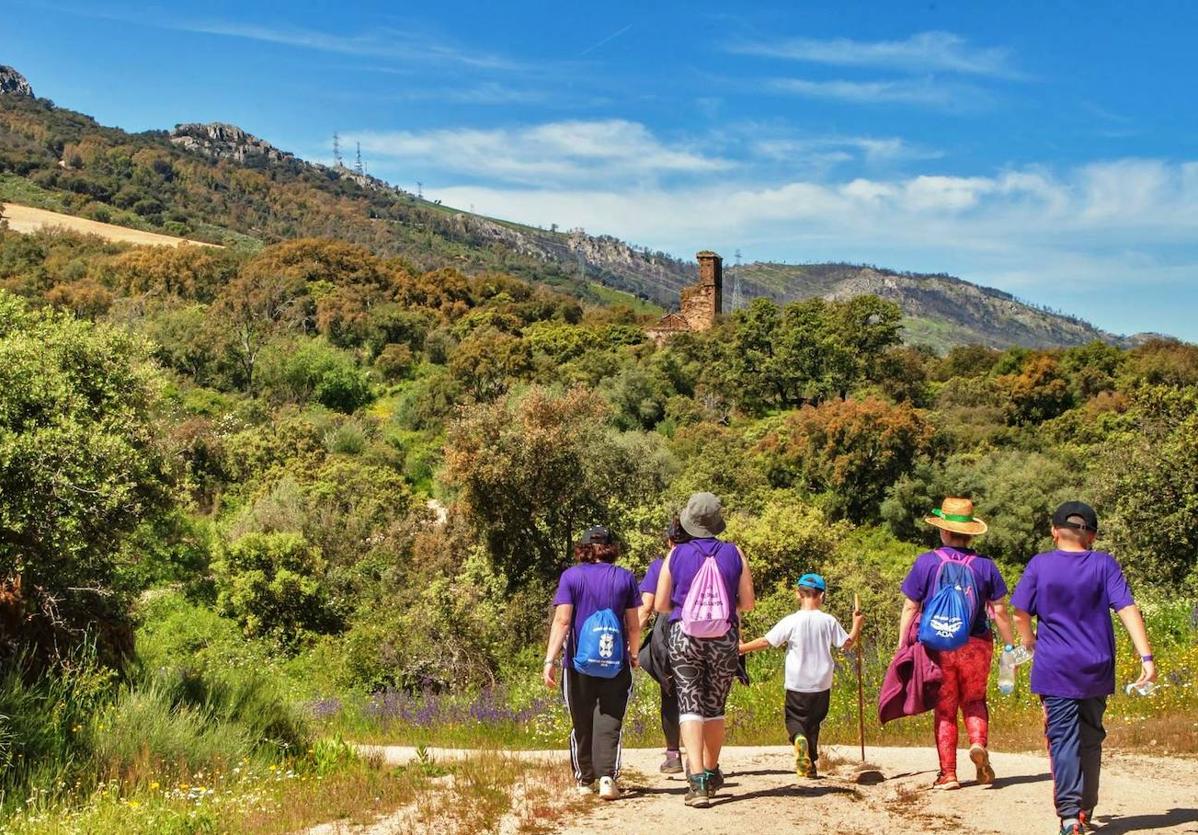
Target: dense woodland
[(235, 481)]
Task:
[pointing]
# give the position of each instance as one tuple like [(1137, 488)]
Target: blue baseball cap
[(812, 581)]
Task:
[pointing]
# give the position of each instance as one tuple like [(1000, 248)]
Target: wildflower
[(154, 786)]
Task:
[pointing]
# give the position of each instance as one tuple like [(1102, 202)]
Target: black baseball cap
[(597, 536), (1077, 515)]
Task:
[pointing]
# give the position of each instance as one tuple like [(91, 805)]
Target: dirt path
[(27, 219), (762, 796)]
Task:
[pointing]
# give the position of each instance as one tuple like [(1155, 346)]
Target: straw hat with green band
[(956, 515)]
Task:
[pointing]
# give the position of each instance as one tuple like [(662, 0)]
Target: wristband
[(550, 664), (1146, 658)]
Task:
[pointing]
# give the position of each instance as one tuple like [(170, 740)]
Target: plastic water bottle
[(1145, 689), (1006, 671), (1023, 655)]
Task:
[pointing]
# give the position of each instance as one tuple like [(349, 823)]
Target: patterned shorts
[(703, 672)]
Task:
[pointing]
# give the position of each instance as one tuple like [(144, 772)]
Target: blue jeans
[(1075, 734)]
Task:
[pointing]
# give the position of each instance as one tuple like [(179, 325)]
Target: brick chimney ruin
[(703, 302)]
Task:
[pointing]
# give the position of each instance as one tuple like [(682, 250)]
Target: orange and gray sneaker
[(1086, 818), (946, 781), (1072, 826), (981, 759)]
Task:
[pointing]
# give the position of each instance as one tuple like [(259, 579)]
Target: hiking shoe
[(811, 773), (981, 759), (696, 792), (1072, 827), (672, 764), (585, 789), (803, 763), (715, 781), (608, 790), (946, 782)]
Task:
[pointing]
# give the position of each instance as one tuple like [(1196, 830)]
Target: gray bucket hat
[(703, 516)]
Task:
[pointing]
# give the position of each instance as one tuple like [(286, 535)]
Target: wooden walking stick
[(860, 685), (865, 776)]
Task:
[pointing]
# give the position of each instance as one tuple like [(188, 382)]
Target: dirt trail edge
[(762, 795)]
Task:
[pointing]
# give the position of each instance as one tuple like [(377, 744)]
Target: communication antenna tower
[(736, 282), (337, 150), (420, 189), (358, 160)]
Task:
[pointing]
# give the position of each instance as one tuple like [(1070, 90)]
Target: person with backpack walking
[(809, 635), (1071, 591), (703, 586), (951, 590), (596, 619), (655, 654)]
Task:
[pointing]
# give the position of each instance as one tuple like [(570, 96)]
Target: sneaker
[(672, 764), (946, 782), (608, 790), (696, 792), (584, 789), (981, 759), (1072, 827), (802, 762), (1086, 819), (715, 781), (811, 773)]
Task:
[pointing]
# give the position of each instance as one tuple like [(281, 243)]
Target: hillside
[(940, 310), (219, 184)]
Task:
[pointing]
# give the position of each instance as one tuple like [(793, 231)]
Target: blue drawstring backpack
[(600, 650), (948, 617)]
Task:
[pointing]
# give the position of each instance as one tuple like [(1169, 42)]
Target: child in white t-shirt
[(809, 635)]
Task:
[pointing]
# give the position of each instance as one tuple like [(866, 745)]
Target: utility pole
[(420, 189)]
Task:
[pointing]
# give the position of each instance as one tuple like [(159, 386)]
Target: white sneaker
[(584, 789), (608, 790)]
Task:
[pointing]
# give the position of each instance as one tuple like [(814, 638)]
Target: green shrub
[(270, 583), (311, 370)]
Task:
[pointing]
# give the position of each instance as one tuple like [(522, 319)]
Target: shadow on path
[(1114, 824), (806, 792)]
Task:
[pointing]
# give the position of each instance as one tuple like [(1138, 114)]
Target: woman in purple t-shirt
[(704, 668), (596, 702), (966, 670)]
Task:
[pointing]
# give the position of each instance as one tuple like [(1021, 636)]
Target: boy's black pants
[(596, 708), (1075, 734), (804, 713)]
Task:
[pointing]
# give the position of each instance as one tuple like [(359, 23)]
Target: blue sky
[(1050, 150)]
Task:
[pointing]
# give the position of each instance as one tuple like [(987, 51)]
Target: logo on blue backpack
[(600, 650), (948, 617)]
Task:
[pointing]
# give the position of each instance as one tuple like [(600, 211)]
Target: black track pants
[(596, 708), (805, 712)]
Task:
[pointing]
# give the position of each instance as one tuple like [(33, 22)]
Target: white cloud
[(923, 52), (554, 152), (1102, 224), (923, 92), (840, 148)]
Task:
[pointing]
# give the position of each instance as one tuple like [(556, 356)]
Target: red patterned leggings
[(966, 674)]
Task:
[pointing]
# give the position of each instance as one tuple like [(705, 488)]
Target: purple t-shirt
[(687, 559), (592, 586), (1072, 594), (652, 573), (920, 584)]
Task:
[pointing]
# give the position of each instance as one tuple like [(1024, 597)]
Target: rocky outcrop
[(12, 83), (223, 141)]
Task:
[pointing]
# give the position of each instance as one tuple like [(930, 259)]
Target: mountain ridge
[(347, 203)]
